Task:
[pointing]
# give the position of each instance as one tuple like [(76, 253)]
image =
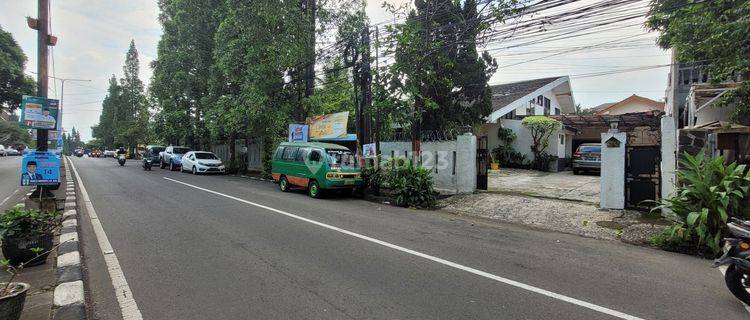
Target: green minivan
[(316, 166)]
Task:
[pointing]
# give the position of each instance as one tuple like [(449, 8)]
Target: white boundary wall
[(452, 163)]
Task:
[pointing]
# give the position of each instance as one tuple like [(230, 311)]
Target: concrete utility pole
[(377, 80), (41, 66)]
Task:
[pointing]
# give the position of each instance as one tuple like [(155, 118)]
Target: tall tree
[(132, 112), (182, 70), (438, 68), (106, 129), (711, 33), (13, 82)]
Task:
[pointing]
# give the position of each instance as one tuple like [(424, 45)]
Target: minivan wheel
[(283, 184), (313, 189)]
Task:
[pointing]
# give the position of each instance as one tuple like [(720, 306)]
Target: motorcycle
[(736, 254), (146, 164), (121, 159)]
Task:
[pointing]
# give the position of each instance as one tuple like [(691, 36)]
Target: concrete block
[(70, 236), (69, 293), (69, 259)]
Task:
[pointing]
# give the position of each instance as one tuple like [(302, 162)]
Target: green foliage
[(411, 186), (541, 129), (20, 223), (709, 193), (11, 133), (504, 153), (13, 82), (438, 76), (710, 33), (124, 120)]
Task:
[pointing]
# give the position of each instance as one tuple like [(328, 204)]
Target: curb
[(69, 297)]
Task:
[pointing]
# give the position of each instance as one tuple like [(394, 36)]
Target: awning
[(624, 121)]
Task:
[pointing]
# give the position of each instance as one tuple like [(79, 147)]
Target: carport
[(641, 154)]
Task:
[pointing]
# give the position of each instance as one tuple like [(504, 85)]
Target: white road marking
[(128, 306), (478, 272)]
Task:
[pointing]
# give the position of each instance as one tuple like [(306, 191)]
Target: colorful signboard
[(298, 132), (368, 150), (328, 126), (40, 113), (40, 168)]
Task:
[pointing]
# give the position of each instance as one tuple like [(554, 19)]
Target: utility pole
[(377, 80), (365, 89), (41, 67)]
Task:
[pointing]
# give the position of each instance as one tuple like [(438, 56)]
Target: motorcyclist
[(121, 150)]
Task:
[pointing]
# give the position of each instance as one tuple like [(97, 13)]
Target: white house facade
[(512, 101)]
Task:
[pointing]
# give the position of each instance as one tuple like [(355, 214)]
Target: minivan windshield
[(205, 155), (180, 150), (342, 158)]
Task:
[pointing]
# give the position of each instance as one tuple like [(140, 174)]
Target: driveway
[(560, 185)]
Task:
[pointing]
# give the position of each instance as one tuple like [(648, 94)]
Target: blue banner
[(298, 132), (40, 169)]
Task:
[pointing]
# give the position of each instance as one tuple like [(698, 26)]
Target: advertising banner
[(40, 168), (40, 113), (328, 126), (368, 150), (298, 132)]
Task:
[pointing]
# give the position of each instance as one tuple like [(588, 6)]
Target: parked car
[(12, 152), (78, 153), (152, 154), (96, 153), (109, 153), (172, 157), (198, 162), (316, 167), (588, 157)]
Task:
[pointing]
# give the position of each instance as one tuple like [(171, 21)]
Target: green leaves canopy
[(713, 33), (13, 82)]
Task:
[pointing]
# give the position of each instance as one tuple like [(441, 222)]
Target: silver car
[(588, 157)]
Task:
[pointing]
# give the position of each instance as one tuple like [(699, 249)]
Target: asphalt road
[(10, 191), (191, 253)]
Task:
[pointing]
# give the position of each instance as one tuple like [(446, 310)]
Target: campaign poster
[(298, 133), (368, 150), (40, 113), (328, 126), (40, 168)]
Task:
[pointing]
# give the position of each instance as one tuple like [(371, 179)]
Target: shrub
[(20, 223), (504, 153), (541, 128), (411, 186), (709, 193)]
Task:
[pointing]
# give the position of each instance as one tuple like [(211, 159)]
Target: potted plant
[(22, 231), (13, 294)]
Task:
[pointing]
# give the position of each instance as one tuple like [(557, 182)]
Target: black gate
[(642, 176), (483, 162)]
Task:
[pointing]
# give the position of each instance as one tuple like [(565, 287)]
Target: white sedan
[(201, 162)]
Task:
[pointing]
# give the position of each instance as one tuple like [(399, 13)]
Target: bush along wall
[(709, 193), (406, 184)]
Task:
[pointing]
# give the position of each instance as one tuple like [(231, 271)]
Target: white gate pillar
[(612, 190)]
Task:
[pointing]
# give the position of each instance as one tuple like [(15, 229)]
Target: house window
[(510, 115), (540, 100), (547, 105), (562, 139), (530, 108), (557, 111)]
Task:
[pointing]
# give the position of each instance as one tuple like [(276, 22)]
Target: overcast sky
[(94, 36)]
